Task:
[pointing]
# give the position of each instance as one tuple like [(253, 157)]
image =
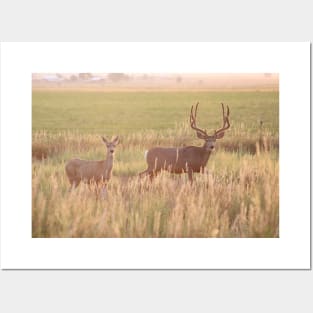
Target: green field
[(128, 112), (236, 197)]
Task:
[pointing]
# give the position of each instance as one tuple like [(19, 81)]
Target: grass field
[(238, 196)]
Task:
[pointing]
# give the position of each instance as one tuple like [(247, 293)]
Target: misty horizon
[(158, 80)]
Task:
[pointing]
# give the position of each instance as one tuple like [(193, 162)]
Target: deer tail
[(146, 154)]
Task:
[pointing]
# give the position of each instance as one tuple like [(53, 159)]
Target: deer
[(189, 159), (98, 172)]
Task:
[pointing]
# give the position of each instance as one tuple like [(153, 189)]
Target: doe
[(98, 172)]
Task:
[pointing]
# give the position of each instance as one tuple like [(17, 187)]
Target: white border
[(290, 60)]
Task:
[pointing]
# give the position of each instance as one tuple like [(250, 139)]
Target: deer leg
[(74, 183), (144, 173), (104, 192), (190, 175), (153, 174), (97, 188)]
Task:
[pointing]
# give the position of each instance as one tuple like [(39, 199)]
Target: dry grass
[(237, 197)]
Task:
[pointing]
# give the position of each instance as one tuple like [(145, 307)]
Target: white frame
[(290, 251)]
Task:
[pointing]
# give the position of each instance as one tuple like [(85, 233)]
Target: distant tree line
[(114, 77)]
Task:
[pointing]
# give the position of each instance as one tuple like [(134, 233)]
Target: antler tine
[(227, 115), (196, 110), (227, 112), (223, 109), (226, 123), (193, 115), (192, 118)]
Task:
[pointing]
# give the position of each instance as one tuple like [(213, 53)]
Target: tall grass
[(238, 196)]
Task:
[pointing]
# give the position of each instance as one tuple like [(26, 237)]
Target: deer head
[(202, 134), (111, 144)]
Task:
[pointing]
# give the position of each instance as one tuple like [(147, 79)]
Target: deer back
[(177, 159)]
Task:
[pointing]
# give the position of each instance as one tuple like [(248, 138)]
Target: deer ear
[(220, 135), (200, 135), (116, 140), (104, 140)]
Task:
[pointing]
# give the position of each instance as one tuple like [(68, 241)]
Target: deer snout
[(112, 151), (210, 146)]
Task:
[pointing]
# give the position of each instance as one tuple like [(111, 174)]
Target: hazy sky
[(162, 80)]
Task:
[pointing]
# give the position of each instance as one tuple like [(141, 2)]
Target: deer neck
[(205, 154), (109, 161)]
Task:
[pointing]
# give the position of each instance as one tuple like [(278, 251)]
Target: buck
[(99, 172), (188, 159)]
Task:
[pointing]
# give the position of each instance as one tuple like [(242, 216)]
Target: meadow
[(237, 196)]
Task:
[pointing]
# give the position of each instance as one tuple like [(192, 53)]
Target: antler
[(226, 123), (202, 134)]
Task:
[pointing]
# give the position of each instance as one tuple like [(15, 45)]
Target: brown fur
[(189, 159), (78, 170)]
